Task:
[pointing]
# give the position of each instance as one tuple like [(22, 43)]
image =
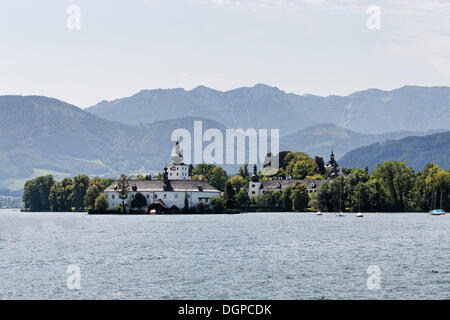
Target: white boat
[(318, 213), (436, 212), (359, 215), (340, 214)]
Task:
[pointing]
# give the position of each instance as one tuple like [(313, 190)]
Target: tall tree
[(398, 180), (122, 187), (242, 198), (101, 203), (230, 201), (93, 191), (80, 186), (299, 197), (59, 197), (36, 193)]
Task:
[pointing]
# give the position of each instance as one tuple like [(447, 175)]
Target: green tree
[(122, 187), (238, 182), (285, 198), (230, 201), (202, 169), (242, 198), (328, 195), (93, 191), (217, 177), (217, 204), (79, 188), (299, 197), (59, 197), (36, 193), (101, 203), (214, 175), (299, 165), (397, 179), (359, 198), (243, 171), (268, 199)]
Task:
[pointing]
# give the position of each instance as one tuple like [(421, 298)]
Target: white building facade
[(170, 192)]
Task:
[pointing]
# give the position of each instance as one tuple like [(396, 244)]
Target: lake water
[(249, 256)]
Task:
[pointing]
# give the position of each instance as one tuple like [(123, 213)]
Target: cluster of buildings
[(177, 187), (258, 186), (168, 194)]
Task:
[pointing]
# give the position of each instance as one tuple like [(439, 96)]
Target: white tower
[(254, 186), (177, 170)]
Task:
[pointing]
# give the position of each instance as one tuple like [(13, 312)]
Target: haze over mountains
[(416, 151), (41, 135), (322, 138), (370, 111)]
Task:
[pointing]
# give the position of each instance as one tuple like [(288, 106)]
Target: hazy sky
[(302, 46)]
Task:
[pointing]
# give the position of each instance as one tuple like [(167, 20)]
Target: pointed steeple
[(255, 176)]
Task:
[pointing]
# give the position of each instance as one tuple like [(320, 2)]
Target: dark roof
[(280, 184), (158, 185)]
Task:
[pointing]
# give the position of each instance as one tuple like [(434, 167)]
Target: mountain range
[(416, 151), (369, 111), (41, 135)]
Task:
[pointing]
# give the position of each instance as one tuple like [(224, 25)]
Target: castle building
[(169, 193), (257, 186)]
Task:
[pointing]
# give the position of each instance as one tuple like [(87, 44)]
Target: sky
[(318, 47)]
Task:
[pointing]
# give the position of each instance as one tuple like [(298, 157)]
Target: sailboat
[(359, 214), (318, 213), (436, 212)]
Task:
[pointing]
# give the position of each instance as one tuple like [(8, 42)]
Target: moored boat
[(437, 212)]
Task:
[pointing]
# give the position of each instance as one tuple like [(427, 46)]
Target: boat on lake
[(436, 212)]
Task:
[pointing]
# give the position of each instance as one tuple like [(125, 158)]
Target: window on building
[(165, 196), (113, 196), (253, 185), (148, 196), (156, 196), (253, 192)]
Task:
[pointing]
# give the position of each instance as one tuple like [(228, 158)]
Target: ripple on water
[(252, 256)]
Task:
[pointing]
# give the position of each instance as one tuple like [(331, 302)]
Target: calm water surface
[(249, 256)]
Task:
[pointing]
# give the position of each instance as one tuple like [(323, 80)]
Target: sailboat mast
[(442, 207), (432, 199), (435, 198)]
